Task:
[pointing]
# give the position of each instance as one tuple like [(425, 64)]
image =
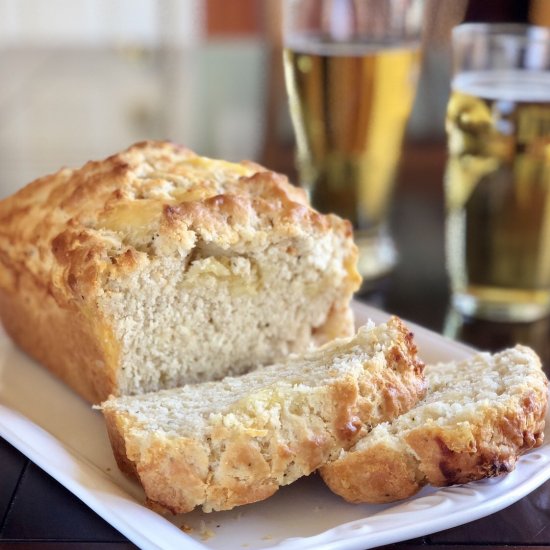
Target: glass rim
[(520, 32)]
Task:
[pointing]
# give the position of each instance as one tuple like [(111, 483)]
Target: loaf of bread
[(477, 417), (236, 441), (157, 267)]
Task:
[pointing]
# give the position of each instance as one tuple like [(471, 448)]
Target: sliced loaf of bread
[(236, 441), (160, 267), (477, 417)]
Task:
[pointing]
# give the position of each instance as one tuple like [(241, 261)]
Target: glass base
[(503, 305), (377, 254)]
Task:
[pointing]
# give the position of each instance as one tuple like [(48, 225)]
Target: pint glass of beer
[(498, 172), (351, 69)]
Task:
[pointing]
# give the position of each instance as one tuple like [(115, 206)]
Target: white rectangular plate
[(61, 433)]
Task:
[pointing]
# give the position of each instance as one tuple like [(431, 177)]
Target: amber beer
[(498, 193), (350, 104)]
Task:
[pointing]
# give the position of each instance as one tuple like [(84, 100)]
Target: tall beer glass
[(498, 172), (351, 69)]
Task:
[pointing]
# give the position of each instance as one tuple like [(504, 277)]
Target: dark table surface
[(37, 512)]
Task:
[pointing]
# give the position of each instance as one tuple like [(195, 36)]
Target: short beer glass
[(351, 69), (498, 172)]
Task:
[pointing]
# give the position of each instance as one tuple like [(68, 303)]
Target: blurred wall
[(83, 79)]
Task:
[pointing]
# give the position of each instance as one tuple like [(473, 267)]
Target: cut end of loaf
[(216, 314)]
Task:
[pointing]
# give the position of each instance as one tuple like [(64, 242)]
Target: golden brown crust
[(63, 236), (484, 444), (403, 383), (159, 464), (385, 475), (486, 447), (35, 307), (115, 425), (57, 228)]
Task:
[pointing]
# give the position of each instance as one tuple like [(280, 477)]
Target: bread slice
[(477, 417), (235, 441), (157, 267)]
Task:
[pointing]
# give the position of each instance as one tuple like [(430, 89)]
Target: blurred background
[(83, 79)]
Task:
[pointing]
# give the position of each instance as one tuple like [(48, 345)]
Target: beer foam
[(505, 85), (318, 45)]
